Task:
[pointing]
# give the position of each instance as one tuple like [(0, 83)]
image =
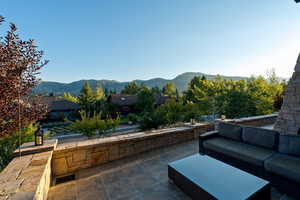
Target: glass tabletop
[(217, 178)]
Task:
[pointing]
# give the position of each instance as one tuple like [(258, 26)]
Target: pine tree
[(106, 92), (169, 89), (86, 97), (131, 88), (177, 94), (156, 91), (99, 94)]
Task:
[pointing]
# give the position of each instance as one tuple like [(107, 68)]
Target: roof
[(63, 105), (123, 99), (129, 99), (58, 104)]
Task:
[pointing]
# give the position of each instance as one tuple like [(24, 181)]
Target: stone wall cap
[(256, 117), (30, 148), (119, 138)]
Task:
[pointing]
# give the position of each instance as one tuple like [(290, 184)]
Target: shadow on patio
[(144, 176)]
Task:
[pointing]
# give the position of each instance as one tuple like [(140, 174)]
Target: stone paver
[(141, 177)]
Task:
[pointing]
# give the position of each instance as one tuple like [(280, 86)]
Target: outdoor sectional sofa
[(262, 152)]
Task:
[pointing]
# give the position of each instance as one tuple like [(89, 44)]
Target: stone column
[(289, 116)]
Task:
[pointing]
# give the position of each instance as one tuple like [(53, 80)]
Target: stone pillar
[(289, 116)]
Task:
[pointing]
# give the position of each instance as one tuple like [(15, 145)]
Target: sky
[(141, 39)]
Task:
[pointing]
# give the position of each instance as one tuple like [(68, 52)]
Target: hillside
[(181, 82)]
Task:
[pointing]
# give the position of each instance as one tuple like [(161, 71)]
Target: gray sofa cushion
[(289, 144), (285, 166), (261, 137), (231, 131), (245, 152)]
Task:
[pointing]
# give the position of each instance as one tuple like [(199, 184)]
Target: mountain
[(181, 83)]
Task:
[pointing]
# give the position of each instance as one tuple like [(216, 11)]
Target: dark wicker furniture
[(264, 153)]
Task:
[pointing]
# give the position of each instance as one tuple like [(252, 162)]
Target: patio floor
[(141, 177)]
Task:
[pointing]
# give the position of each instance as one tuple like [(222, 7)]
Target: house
[(127, 102), (59, 108)]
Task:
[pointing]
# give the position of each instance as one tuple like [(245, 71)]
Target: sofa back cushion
[(289, 144), (231, 131), (261, 137)]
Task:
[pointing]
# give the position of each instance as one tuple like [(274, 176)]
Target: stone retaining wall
[(27, 177), (69, 158)]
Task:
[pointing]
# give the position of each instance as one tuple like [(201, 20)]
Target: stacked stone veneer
[(69, 158), (289, 117), (28, 176)]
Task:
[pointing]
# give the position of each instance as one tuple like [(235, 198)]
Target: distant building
[(59, 108), (127, 102)]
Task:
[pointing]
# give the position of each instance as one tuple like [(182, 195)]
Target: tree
[(177, 94), (156, 91), (86, 97), (202, 92), (254, 96), (131, 88), (67, 96), (145, 100), (20, 63), (169, 90), (278, 101), (106, 92), (99, 94), (143, 86)]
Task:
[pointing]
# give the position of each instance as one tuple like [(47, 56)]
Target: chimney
[(288, 120)]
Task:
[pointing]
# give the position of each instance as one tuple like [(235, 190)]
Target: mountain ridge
[(181, 82)]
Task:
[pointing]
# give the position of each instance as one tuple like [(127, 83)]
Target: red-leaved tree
[(20, 62)]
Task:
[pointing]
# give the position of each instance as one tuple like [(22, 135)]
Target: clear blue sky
[(142, 39)]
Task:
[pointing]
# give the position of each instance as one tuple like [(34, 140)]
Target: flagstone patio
[(144, 176)]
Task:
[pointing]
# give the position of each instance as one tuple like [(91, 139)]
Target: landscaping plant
[(9, 144), (91, 125)]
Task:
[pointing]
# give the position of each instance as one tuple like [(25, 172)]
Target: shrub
[(153, 120), (191, 111), (170, 113), (132, 117), (90, 125), (87, 125), (10, 144), (111, 124), (178, 111), (173, 111)]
